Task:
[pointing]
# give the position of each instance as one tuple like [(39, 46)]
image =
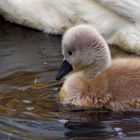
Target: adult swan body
[(118, 21)]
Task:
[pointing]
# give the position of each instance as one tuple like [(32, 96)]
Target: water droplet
[(119, 132), (23, 88), (56, 89), (27, 101), (29, 108), (63, 121), (117, 129), (45, 63)]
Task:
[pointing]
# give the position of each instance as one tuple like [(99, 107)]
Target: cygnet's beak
[(64, 69)]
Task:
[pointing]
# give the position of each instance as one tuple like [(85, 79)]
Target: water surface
[(29, 104)]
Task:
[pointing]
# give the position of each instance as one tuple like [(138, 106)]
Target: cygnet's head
[(82, 47)]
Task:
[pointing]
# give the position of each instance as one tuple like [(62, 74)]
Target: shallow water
[(29, 104)]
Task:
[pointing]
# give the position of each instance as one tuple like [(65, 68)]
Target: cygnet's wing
[(129, 9)]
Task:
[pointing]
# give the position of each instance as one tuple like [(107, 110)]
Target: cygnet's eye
[(70, 53)]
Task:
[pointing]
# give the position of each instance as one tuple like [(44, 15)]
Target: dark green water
[(29, 104)]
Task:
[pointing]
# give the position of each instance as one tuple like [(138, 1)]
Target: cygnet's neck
[(95, 69)]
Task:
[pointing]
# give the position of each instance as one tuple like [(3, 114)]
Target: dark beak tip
[(57, 78), (64, 69)]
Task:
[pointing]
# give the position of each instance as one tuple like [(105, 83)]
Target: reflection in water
[(29, 104)]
